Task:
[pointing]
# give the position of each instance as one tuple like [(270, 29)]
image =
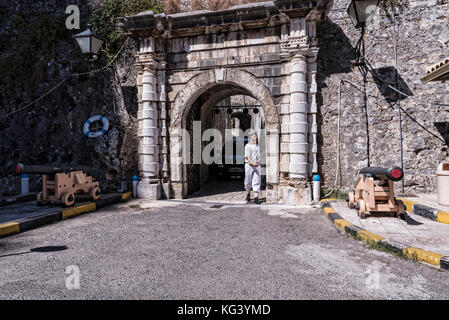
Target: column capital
[(146, 60), (298, 56), (312, 59)]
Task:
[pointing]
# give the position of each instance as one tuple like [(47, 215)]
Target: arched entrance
[(267, 51), (196, 103)]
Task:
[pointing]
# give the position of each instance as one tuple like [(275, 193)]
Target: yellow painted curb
[(329, 210), (408, 204), (422, 255), (443, 217), (73, 212), (342, 223), (369, 237), (329, 199), (127, 196), (9, 228)]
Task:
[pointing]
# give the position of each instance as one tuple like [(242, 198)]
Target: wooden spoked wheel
[(401, 209), (40, 199), (362, 209), (68, 199), (95, 193), (351, 200)]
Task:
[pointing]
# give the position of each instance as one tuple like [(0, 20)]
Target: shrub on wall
[(103, 20), (175, 6), (388, 5)]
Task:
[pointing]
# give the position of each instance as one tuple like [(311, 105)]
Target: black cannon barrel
[(393, 173), (41, 169)]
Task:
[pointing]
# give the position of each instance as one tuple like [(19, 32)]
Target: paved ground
[(228, 192), (23, 210), (414, 231), (428, 199), (173, 250)]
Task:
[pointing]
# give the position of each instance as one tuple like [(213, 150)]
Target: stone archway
[(231, 82), (267, 50)]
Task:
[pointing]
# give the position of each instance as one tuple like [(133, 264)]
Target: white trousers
[(252, 177)]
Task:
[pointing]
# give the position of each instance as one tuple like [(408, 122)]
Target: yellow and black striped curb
[(366, 236), (426, 211), (23, 225)]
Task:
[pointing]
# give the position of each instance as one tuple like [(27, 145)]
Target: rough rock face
[(422, 40), (50, 131)]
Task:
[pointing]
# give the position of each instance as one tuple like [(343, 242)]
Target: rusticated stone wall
[(422, 40), (51, 130)]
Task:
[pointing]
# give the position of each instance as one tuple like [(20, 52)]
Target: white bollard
[(25, 181), (316, 188), (135, 182)]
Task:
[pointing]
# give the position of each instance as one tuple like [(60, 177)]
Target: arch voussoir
[(243, 81)]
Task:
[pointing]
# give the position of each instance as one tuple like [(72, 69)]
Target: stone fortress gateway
[(190, 61)]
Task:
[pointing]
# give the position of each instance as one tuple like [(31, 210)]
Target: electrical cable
[(360, 88), (338, 169), (64, 80), (38, 99), (105, 67), (400, 92), (411, 118)]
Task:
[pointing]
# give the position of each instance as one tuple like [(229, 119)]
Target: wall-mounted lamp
[(89, 43)]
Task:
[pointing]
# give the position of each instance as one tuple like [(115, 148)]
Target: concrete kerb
[(15, 227), (426, 211), (21, 198), (380, 242)]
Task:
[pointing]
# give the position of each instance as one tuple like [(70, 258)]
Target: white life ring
[(96, 134)]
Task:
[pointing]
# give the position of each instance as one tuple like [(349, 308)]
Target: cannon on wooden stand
[(62, 184), (374, 192)]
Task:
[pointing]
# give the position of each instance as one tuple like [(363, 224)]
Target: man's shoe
[(257, 201), (248, 197)]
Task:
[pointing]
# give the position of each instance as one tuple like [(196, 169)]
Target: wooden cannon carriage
[(374, 192), (62, 184)]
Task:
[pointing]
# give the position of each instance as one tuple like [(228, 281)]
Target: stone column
[(285, 137), (176, 161), (299, 146), (313, 151), (163, 115), (284, 161), (149, 187)]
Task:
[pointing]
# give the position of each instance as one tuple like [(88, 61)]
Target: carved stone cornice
[(248, 16), (146, 59), (295, 43)]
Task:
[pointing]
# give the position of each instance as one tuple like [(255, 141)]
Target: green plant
[(103, 20), (381, 247), (336, 194)]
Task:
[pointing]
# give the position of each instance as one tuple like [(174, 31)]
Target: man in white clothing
[(252, 168)]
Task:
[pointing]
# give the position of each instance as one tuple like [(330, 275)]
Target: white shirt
[(252, 151)]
